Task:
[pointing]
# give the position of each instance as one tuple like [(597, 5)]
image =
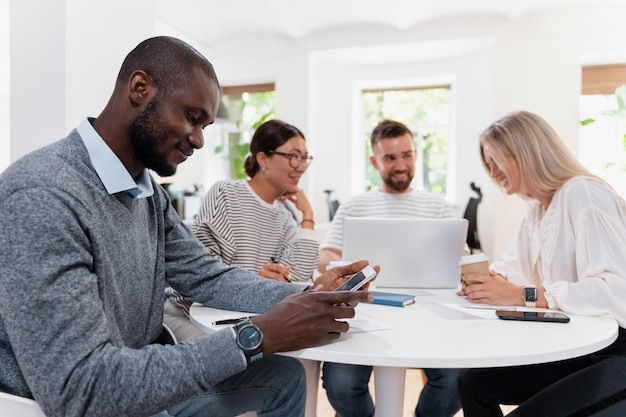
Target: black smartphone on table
[(548, 316)]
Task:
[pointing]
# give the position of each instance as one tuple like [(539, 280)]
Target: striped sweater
[(241, 229)]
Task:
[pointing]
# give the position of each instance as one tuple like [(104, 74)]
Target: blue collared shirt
[(113, 174)]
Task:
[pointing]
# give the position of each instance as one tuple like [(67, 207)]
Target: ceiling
[(212, 22)]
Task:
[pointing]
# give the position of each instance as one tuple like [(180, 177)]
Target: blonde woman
[(570, 255)]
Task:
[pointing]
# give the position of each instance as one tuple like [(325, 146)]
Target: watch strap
[(255, 357)]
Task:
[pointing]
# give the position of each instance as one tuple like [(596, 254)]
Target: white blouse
[(576, 249)]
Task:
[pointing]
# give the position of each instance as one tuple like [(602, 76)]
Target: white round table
[(439, 331)]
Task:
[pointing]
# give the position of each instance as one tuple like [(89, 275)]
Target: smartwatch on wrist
[(530, 296), (249, 339)]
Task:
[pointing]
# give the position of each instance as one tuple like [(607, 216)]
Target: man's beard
[(145, 132), (398, 186)]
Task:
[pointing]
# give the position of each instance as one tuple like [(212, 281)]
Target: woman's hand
[(302, 204), (469, 279), (491, 289), (276, 271)]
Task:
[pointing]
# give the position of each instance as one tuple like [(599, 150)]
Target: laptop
[(411, 252)]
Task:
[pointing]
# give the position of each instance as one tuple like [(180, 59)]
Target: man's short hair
[(388, 129), (168, 61)]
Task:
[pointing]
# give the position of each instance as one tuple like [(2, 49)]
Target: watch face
[(530, 294), (249, 337)]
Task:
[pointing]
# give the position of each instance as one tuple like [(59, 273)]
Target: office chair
[(471, 214), (167, 336), (333, 204), (291, 208)]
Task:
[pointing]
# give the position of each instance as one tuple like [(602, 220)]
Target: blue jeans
[(273, 387), (347, 391)]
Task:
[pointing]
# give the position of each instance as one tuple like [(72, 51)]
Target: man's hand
[(331, 280), (307, 319)]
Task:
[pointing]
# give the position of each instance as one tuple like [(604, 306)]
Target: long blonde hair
[(544, 162)]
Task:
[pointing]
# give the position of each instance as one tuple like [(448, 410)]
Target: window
[(602, 138), (426, 111), (248, 106)]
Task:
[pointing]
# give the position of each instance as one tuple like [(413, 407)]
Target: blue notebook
[(392, 299)]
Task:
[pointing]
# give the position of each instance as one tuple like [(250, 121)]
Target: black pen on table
[(230, 321), (274, 261)]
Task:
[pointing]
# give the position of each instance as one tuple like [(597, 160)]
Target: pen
[(489, 307), (274, 261), (230, 321)]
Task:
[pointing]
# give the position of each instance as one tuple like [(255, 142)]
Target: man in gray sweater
[(90, 241)]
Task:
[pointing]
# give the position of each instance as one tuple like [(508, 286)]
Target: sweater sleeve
[(597, 238)]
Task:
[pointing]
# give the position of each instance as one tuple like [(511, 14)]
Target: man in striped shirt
[(394, 156)]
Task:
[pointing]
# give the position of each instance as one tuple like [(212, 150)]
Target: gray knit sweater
[(82, 278)]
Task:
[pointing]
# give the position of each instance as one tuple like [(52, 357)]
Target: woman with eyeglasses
[(245, 222)]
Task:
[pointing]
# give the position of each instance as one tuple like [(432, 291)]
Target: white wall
[(37, 75), (496, 65), (65, 69), (99, 35), (64, 57)]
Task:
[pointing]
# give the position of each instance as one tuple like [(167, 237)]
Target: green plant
[(236, 153), (248, 112), (618, 117), (619, 113)]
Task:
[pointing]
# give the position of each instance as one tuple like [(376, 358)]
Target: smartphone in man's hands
[(358, 280)]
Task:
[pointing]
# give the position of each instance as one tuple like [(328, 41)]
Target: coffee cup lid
[(470, 259)]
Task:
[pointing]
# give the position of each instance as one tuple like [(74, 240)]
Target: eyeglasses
[(295, 159)]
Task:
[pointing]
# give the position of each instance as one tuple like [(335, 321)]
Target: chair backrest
[(471, 214), (292, 209), (14, 406), (167, 336), (333, 204)]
